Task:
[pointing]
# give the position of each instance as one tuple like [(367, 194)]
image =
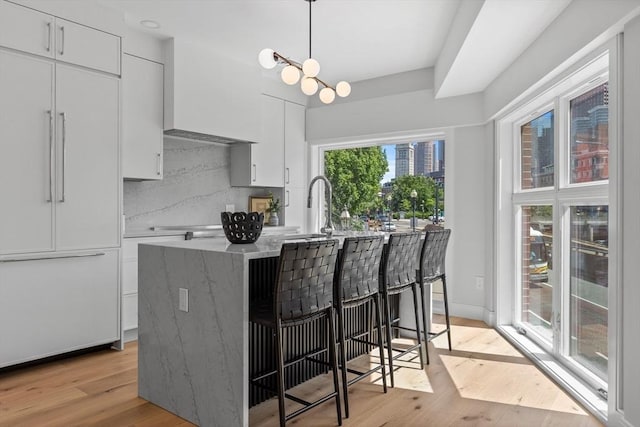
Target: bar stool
[(399, 264), (356, 283), (303, 293), (431, 268)]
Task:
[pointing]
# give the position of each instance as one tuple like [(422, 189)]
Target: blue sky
[(391, 158)]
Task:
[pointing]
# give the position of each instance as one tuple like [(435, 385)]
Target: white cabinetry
[(51, 306), (295, 161), (142, 86), (87, 113), (130, 281), (59, 159), (35, 32), (26, 153), (262, 164), (26, 29), (60, 185), (210, 94)]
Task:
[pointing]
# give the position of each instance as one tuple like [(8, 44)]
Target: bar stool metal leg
[(280, 373), (385, 302), (343, 360), (376, 305), (425, 327), (446, 309), (333, 360), (414, 290)]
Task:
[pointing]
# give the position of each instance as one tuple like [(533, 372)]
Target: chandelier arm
[(279, 57), (325, 85)]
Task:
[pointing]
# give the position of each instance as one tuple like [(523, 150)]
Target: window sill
[(573, 385)]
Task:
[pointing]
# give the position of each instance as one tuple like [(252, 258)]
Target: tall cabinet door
[(267, 155), (87, 107), (295, 161), (26, 150), (295, 146)]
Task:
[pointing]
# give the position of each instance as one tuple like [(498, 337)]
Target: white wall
[(410, 111), (580, 28), (468, 186)]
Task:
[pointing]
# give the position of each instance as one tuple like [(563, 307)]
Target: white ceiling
[(358, 39)]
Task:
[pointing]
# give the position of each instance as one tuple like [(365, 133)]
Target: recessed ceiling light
[(150, 24)]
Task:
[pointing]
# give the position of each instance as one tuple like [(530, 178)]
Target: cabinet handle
[(62, 40), (287, 181), (51, 156), (48, 36), (286, 193), (158, 163), (64, 154), (51, 257), (255, 172)]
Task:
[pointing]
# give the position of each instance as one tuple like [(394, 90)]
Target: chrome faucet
[(328, 225)]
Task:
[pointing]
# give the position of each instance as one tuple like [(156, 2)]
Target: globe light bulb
[(266, 59), (327, 95), (343, 89), (310, 67), (290, 75), (309, 85)]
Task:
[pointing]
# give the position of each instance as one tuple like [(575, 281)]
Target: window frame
[(580, 77)]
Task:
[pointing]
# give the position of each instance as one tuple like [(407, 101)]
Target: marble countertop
[(177, 230), (265, 246)]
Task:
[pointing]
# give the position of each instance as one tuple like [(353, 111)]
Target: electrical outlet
[(183, 300), (479, 282), (230, 208)]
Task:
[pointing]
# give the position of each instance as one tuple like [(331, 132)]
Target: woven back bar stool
[(431, 269), (398, 273), (356, 284), (303, 293)]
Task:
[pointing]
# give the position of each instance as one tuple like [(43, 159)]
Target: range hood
[(202, 137), (210, 97)]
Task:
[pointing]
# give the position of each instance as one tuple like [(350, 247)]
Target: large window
[(560, 202)]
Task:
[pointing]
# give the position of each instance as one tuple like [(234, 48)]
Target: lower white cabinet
[(130, 282), (54, 305)]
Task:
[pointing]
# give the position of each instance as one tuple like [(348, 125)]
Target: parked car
[(388, 226)]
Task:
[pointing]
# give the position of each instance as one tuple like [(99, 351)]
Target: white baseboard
[(475, 312), (130, 335)]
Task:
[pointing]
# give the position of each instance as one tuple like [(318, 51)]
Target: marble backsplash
[(194, 191)]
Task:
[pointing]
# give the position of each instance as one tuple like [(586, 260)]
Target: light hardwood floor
[(484, 381)]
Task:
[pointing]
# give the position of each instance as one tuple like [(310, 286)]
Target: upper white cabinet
[(142, 86), (26, 29), (210, 94), (35, 32), (59, 174), (262, 164), (86, 46)]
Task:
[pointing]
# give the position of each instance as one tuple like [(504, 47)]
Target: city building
[(404, 160)]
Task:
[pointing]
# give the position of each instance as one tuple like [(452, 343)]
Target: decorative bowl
[(242, 227)]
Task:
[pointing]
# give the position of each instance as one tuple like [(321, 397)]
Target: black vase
[(242, 227)]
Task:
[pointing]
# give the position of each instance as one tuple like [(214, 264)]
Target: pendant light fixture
[(310, 68)]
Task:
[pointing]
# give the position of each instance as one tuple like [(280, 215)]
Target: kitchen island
[(196, 363)]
